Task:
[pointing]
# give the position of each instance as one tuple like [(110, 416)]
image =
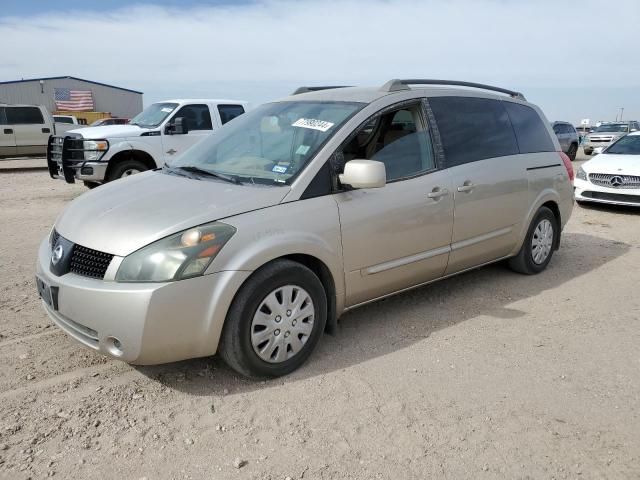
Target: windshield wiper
[(209, 173)]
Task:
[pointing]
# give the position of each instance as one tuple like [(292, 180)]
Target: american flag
[(73, 100)]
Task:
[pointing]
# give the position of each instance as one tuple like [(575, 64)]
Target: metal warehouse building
[(120, 102)]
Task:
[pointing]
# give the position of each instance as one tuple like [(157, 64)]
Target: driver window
[(399, 139), (196, 116)]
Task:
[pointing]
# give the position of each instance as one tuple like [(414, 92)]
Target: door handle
[(437, 192), (8, 131), (467, 186)]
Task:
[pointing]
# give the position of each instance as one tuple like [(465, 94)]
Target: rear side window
[(24, 115), (3, 118), (530, 131), (229, 112), (62, 120), (473, 129)]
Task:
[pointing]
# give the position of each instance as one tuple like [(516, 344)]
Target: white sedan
[(613, 176)]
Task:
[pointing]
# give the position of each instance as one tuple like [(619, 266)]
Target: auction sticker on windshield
[(313, 124)]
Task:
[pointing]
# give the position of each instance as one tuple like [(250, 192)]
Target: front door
[(396, 236), (198, 119), (30, 130)]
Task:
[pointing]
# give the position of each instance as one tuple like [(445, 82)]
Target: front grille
[(613, 197), (619, 181), (600, 140), (89, 263)]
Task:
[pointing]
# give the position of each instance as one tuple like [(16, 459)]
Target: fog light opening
[(114, 346)]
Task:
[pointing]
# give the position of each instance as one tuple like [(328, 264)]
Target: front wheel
[(587, 152), (275, 321), (537, 249), (126, 169)]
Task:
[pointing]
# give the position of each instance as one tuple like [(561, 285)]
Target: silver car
[(255, 241)]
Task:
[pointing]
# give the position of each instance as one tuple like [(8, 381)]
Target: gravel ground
[(486, 375)]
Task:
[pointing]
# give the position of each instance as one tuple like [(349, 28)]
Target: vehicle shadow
[(397, 322), (610, 208)]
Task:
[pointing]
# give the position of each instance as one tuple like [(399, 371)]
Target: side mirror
[(598, 150), (364, 174), (179, 126)]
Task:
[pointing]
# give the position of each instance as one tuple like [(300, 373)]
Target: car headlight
[(581, 174), (182, 255), (94, 149)]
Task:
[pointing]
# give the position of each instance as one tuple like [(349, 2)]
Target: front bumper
[(586, 191), (65, 160), (152, 322)]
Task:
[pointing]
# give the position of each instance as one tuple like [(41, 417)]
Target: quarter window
[(531, 132), (473, 129), (24, 115), (399, 139), (197, 117), (229, 112)]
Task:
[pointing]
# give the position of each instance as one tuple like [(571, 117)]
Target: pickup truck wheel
[(126, 169), (573, 150), (91, 185), (537, 249), (275, 321)]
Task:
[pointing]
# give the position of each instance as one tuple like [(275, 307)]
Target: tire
[(587, 152), (91, 185), (125, 169), (526, 261), (573, 151), (272, 356)]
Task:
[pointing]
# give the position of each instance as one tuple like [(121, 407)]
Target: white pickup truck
[(64, 123), (159, 133)]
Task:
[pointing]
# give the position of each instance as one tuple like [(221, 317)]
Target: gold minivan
[(255, 241)]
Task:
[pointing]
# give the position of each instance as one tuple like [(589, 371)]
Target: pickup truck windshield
[(271, 143), (153, 115), (617, 128)]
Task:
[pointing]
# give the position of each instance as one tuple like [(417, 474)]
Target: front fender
[(306, 227), (117, 146)]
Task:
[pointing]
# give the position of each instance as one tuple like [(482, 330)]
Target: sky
[(570, 62)]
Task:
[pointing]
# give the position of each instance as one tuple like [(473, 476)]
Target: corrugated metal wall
[(120, 103)]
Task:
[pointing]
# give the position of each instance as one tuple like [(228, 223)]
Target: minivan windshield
[(153, 115), (269, 144), (612, 127), (627, 145)]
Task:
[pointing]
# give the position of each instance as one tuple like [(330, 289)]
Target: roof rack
[(397, 85), (316, 89)]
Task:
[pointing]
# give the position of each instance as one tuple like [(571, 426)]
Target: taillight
[(567, 164)]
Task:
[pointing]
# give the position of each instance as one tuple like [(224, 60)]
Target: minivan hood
[(613, 164), (110, 131), (122, 216)]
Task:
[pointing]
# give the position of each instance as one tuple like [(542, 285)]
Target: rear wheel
[(573, 151), (91, 185), (275, 321), (126, 169), (537, 249)]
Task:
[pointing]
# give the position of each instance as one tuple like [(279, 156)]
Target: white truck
[(64, 123), (162, 131)]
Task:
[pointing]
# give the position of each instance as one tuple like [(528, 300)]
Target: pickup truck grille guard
[(67, 151)]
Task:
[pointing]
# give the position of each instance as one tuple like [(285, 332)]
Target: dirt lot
[(487, 375)]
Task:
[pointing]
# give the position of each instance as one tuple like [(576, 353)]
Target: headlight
[(581, 174), (182, 255), (94, 149)]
